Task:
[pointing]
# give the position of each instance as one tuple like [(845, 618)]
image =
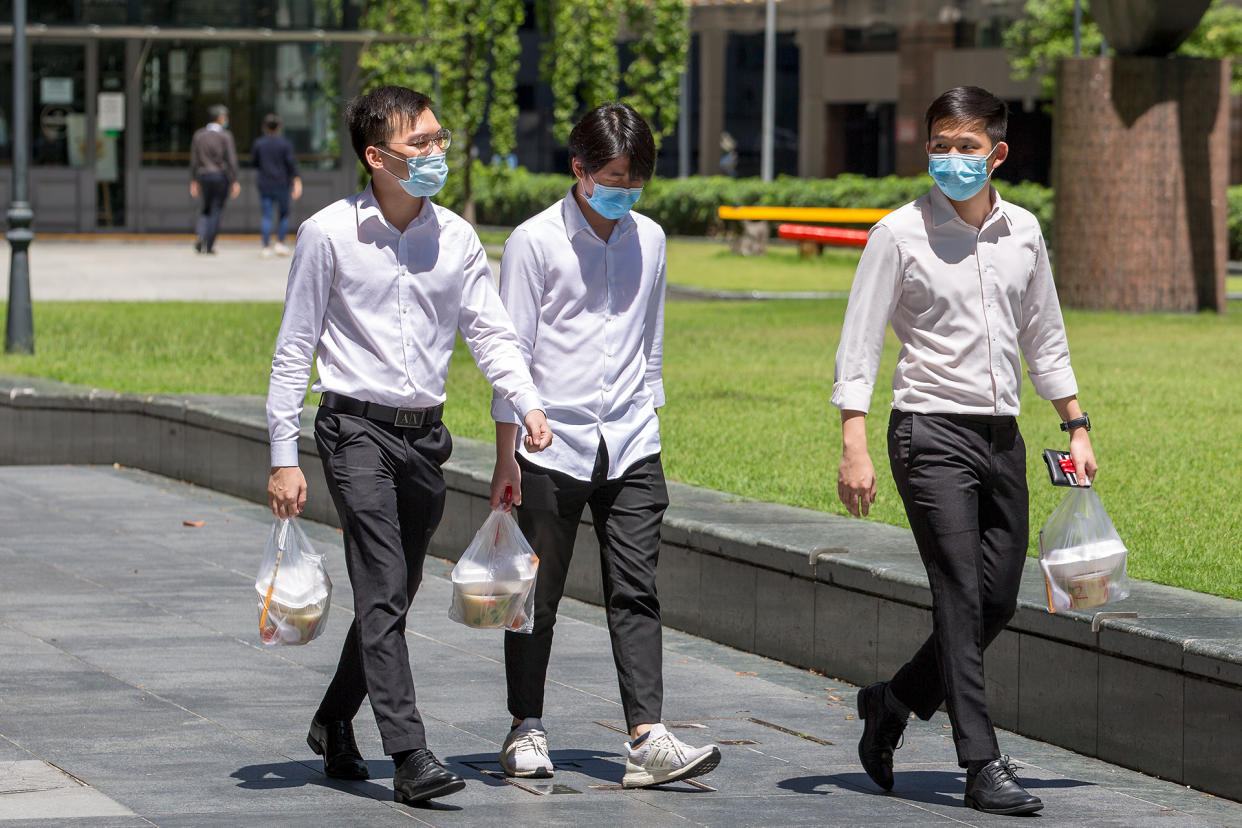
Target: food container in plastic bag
[(494, 581), (1081, 554), (293, 586)]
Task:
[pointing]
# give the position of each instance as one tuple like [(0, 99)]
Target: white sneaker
[(280, 249), (662, 757), (525, 751), (266, 253)]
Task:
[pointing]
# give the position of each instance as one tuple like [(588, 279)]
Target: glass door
[(61, 157), (110, 129)]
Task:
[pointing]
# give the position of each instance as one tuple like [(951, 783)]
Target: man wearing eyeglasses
[(380, 284)]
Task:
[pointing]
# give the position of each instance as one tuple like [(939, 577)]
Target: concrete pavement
[(134, 692), (155, 269)]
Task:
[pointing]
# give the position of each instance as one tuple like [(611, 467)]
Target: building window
[(297, 81), (876, 38), (270, 14)]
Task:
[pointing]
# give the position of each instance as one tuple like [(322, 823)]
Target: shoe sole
[(537, 773), (1015, 811), (642, 779), (447, 788)]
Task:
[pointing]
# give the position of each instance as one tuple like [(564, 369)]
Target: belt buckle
[(408, 418)]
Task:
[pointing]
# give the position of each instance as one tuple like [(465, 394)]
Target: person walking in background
[(584, 283), (276, 177), (964, 279), (213, 175)]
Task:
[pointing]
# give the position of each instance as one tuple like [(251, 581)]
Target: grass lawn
[(709, 264), (748, 413)]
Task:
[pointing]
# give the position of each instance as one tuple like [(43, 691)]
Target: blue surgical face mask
[(427, 173), (613, 202), (959, 176)]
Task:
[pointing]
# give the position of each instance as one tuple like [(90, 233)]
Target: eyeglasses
[(422, 144)]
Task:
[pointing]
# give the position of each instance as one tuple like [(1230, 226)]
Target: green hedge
[(687, 207)]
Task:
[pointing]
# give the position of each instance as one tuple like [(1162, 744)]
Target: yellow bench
[(823, 215)]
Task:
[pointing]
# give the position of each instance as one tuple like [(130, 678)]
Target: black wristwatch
[(1078, 422)]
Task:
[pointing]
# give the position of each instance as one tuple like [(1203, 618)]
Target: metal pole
[(769, 90), (1077, 28), (683, 126), (19, 327)]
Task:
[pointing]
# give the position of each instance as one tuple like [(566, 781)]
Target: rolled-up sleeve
[(488, 331), (306, 301), (872, 298), (1042, 334)]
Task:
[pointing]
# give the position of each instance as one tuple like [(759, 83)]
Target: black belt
[(400, 417)]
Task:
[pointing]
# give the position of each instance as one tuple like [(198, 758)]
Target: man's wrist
[(1083, 422)]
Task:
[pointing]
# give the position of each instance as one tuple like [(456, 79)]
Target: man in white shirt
[(380, 284), (584, 282), (964, 279)]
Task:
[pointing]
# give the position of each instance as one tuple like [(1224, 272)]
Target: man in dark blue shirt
[(277, 179)]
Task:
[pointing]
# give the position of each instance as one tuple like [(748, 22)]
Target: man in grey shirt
[(213, 174)]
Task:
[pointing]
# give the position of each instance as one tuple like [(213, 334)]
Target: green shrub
[(687, 206)]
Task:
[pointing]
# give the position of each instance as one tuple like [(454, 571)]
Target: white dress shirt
[(966, 304), (589, 317), (381, 307)]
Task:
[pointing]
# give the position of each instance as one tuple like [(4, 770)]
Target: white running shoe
[(662, 757), (280, 249), (266, 253), (524, 753)]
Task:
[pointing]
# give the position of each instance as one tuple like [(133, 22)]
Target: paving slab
[(134, 690)]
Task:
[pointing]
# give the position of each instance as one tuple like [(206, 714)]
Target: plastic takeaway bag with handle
[(1081, 554), (294, 589), (494, 581)]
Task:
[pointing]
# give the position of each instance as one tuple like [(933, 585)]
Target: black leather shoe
[(882, 731), (995, 790), (334, 741), (422, 777)]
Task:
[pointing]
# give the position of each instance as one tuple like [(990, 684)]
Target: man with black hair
[(963, 277), (584, 282), (277, 179), (213, 175), (380, 285)]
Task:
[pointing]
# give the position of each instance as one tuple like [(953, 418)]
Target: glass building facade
[(118, 87)]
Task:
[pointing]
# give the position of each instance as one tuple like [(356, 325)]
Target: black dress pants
[(627, 513), (213, 190), (389, 490), (963, 481)]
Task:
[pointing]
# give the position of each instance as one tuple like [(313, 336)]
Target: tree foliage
[(1045, 32), (464, 54), (654, 76), (581, 60)]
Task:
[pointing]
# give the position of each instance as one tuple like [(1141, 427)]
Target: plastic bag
[(1081, 554), (494, 581), (294, 589)]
